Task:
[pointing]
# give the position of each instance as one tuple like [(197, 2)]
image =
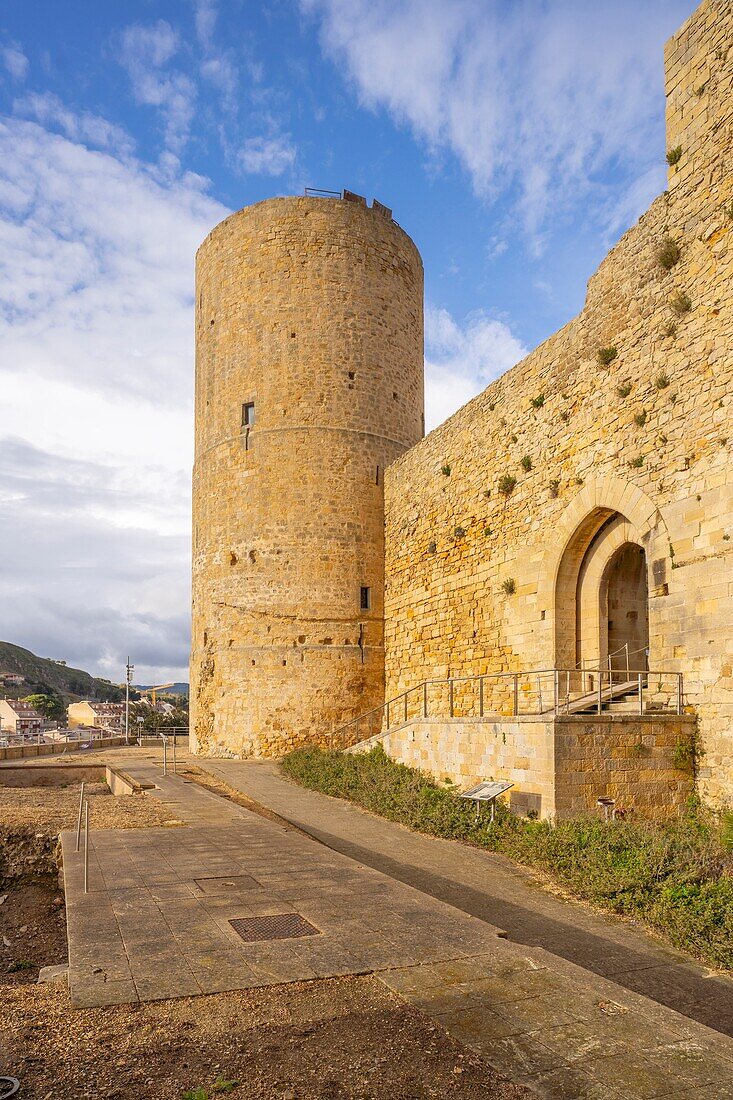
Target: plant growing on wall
[(624, 389), (565, 416), (668, 253), (671, 330), (445, 470), (488, 531), (661, 381), (509, 586), (640, 419), (555, 487), (637, 463), (459, 532), (674, 155), (432, 547), (681, 303), (607, 355), (506, 484), (526, 463), (538, 401)]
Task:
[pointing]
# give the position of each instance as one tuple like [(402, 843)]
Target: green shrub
[(509, 586), (668, 253), (506, 484), (640, 419), (661, 381), (674, 155), (624, 389), (538, 401), (675, 875), (526, 463), (637, 463), (607, 355), (445, 470), (681, 303), (555, 487)]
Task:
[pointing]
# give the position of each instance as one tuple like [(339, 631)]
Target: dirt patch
[(50, 809), (340, 1038), (54, 775), (32, 930)]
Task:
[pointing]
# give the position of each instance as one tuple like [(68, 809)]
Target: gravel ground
[(51, 809), (340, 1038)]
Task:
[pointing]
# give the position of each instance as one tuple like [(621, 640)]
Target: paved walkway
[(157, 923), (495, 890)]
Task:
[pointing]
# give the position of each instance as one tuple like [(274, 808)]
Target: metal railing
[(550, 692)]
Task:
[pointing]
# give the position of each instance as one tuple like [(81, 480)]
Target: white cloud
[(267, 156), (14, 60), (218, 66), (461, 361), (96, 303), (546, 99), (80, 126), (145, 52)]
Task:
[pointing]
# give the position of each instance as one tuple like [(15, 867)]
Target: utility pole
[(128, 680)]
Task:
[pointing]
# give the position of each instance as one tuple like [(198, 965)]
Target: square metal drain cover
[(281, 926)]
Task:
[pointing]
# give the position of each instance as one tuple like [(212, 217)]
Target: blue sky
[(515, 142)]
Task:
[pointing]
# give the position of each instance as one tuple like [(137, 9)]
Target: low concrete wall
[(21, 752), (559, 767), (120, 783)]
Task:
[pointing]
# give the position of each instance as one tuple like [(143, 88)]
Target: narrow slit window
[(248, 414), (366, 599)]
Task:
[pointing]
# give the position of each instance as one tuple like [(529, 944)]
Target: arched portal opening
[(601, 596), (625, 608)]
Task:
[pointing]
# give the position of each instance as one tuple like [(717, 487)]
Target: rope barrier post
[(480, 696), (641, 694), (515, 705), (78, 823), (86, 847), (165, 754), (425, 699), (679, 693), (406, 694), (450, 697), (600, 691), (174, 754)]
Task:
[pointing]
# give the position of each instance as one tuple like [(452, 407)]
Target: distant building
[(17, 717), (12, 679), (110, 716)]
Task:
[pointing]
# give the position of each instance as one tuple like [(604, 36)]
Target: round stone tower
[(309, 381)]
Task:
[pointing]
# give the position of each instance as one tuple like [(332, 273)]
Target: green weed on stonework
[(676, 876)]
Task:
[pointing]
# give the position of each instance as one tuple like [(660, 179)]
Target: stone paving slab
[(156, 920)]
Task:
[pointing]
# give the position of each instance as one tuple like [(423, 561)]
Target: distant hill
[(174, 689), (48, 677)]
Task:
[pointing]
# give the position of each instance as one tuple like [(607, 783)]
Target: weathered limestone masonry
[(309, 381), (624, 500)]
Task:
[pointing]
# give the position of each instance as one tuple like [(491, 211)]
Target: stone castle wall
[(311, 309), (638, 447)]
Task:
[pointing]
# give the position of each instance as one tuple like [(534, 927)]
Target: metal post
[(425, 699), (128, 680), (86, 847), (641, 695), (450, 697), (174, 754), (387, 706), (557, 689), (165, 754), (406, 694), (515, 708), (600, 690), (480, 696), (628, 672), (679, 693), (78, 823)]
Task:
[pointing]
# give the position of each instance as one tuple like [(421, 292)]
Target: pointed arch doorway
[(601, 597)]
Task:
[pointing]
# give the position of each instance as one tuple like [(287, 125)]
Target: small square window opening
[(366, 599)]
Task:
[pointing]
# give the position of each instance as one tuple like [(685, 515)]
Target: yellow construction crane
[(152, 690)]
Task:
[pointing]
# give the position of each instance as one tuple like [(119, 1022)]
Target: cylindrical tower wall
[(309, 381)]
